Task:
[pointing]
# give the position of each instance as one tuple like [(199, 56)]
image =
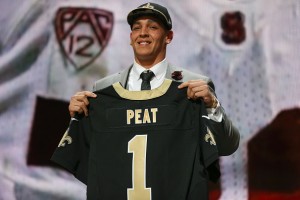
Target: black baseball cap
[(151, 9)]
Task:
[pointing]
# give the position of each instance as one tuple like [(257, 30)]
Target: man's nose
[(144, 32)]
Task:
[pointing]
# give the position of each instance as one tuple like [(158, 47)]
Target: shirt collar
[(159, 70)]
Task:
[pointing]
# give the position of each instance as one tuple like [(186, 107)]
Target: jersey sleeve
[(208, 145), (73, 150)]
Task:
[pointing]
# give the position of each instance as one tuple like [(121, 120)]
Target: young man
[(151, 32), (163, 148)]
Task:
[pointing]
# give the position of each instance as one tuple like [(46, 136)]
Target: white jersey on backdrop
[(281, 41)]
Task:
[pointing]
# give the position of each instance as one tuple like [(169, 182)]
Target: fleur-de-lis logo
[(209, 137), (148, 5), (66, 139)]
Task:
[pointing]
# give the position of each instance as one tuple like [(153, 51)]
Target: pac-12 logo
[(83, 33)]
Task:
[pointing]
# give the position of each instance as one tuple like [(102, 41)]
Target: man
[(151, 27), (177, 158)]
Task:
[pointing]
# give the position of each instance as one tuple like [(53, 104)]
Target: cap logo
[(169, 21), (148, 5)]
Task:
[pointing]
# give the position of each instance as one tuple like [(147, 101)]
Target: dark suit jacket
[(226, 135)]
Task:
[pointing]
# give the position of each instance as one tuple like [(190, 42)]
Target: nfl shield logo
[(83, 33)]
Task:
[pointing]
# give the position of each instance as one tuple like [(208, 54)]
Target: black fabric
[(151, 9), (178, 158), (44, 137), (146, 77)]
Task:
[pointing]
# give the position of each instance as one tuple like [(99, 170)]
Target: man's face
[(149, 39)]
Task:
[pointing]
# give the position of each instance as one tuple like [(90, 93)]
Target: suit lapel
[(169, 72), (124, 76)]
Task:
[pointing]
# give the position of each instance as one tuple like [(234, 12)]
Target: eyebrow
[(148, 21)]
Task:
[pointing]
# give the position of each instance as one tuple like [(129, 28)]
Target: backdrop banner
[(51, 49)]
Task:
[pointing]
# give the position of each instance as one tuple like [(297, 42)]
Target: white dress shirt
[(160, 70)]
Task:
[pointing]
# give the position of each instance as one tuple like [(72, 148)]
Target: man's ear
[(169, 37)]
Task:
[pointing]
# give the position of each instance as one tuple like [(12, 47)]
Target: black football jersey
[(141, 145)]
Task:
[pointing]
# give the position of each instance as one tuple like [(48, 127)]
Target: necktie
[(146, 76)]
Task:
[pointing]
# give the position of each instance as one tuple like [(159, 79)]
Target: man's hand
[(200, 89), (79, 103)]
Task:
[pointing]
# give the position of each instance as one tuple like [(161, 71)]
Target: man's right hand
[(79, 102)]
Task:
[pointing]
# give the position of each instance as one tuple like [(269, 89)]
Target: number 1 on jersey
[(138, 147)]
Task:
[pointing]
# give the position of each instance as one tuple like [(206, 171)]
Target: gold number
[(138, 147)]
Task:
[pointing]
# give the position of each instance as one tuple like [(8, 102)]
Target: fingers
[(77, 107), (86, 93), (183, 85), (198, 89), (79, 103), (191, 83)]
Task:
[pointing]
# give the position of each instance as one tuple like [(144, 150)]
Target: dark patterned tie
[(146, 76)]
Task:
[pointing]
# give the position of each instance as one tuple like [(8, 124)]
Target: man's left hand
[(200, 89)]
